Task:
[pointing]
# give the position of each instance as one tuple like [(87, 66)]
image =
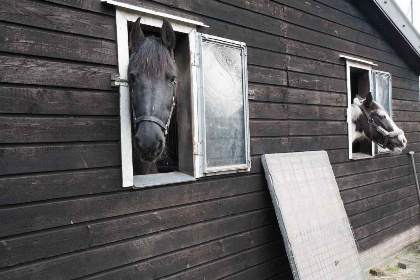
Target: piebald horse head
[(370, 120)]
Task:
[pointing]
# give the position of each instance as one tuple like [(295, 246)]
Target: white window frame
[(124, 14), (365, 65), (352, 62)]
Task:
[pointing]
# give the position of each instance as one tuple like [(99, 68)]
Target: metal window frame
[(378, 149), (202, 168)]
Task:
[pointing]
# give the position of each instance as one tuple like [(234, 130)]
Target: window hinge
[(197, 149), (195, 60), (116, 81)]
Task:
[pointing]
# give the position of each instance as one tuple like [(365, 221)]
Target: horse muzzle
[(149, 145)]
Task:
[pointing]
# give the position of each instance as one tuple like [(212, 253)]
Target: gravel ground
[(410, 257)]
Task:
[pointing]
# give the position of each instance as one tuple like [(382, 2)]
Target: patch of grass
[(392, 268)]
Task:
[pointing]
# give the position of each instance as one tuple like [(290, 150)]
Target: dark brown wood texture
[(63, 212)]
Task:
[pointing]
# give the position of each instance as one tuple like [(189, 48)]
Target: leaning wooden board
[(316, 230)]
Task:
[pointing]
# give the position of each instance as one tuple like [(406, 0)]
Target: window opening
[(169, 160), (360, 87)]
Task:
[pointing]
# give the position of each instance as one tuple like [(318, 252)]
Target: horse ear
[(136, 36), (368, 101), (168, 35)]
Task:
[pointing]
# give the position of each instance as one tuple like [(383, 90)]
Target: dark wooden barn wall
[(63, 212)]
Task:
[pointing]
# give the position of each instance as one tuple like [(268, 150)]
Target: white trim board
[(155, 13)]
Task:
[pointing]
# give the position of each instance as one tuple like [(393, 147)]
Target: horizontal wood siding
[(63, 212)]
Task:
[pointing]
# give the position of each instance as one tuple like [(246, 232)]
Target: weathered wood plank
[(366, 178), (194, 256), (264, 270), (408, 127), (304, 112), (279, 94), (345, 7), (380, 212), (404, 105), (296, 128), (44, 245), (314, 22), (300, 128), (375, 189), (269, 128), (386, 222), (377, 238), (413, 137), (323, 11), (400, 116), (265, 110), (44, 15), (42, 72), (236, 15), (34, 130), (335, 156), (404, 94), (28, 159), (377, 201), (267, 76), (233, 264), (362, 166), (30, 188), (306, 81), (103, 258), (31, 41), (38, 101), (261, 146), (18, 220), (293, 63), (406, 84), (89, 5)]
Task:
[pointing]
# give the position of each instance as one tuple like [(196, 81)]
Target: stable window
[(362, 79), (209, 131)]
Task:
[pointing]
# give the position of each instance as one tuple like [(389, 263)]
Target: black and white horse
[(152, 74), (371, 121)]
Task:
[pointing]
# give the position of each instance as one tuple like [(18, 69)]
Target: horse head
[(152, 77), (372, 121)]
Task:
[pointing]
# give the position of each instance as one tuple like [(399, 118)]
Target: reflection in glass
[(382, 88), (223, 105), (382, 95)]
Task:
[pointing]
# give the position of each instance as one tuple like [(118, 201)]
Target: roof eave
[(387, 22), (395, 15)]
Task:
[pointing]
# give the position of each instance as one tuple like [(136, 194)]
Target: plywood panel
[(314, 224)]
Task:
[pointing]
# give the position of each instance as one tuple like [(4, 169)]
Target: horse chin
[(148, 158), (397, 150)]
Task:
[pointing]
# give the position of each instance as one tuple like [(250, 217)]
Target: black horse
[(152, 78)]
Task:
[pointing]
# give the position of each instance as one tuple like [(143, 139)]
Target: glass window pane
[(382, 90), (223, 92), (382, 95)]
